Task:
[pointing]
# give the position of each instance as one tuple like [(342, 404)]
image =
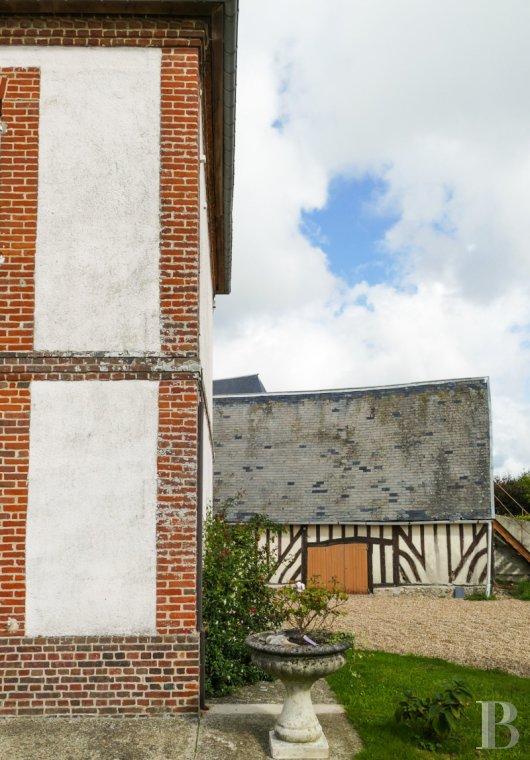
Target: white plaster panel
[(376, 563), (389, 564), (98, 229), (91, 532), (435, 564)]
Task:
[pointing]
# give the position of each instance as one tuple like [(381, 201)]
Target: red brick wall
[(181, 43), (18, 206), (177, 506), (14, 463), (53, 675), (108, 675), (111, 31), (179, 200), (115, 675)]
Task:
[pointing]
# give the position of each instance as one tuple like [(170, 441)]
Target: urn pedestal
[(297, 733)]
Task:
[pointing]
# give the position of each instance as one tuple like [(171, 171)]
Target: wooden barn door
[(348, 563)]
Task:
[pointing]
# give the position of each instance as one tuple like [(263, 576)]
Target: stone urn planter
[(284, 655)]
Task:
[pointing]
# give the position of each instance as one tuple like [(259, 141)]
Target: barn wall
[(287, 547), (411, 555), (442, 554), (407, 454)]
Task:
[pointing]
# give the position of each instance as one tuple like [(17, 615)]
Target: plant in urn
[(300, 656)]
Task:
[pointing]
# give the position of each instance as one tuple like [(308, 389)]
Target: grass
[(523, 590), (371, 693)]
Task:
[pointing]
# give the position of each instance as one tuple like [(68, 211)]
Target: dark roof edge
[(232, 517), (398, 386), (231, 8), (186, 7)]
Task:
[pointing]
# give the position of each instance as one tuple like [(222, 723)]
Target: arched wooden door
[(348, 563)]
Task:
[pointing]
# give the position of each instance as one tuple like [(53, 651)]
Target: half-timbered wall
[(428, 554)]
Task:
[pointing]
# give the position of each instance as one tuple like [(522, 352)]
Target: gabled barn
[(380, 487)]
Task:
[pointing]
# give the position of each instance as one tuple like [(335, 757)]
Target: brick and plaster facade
[(402, 472), (114, 238)]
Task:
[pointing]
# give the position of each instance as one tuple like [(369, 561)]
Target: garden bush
[(237, 600)]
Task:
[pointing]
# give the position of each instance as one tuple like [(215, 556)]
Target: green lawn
[(371, 695)]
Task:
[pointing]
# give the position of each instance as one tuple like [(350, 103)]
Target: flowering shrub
[(312, 607), (237, 600)]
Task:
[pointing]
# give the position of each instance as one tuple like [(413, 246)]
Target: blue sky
[(351, 228), (382, 187)]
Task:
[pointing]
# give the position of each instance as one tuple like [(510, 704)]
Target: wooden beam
[(511, 540)]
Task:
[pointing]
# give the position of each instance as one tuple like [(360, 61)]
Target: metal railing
[(523, 511)]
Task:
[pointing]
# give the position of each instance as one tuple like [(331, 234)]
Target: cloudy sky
[(382, 200)]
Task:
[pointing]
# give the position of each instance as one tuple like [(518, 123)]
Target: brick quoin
[(179, 201), (177, 507), (105, 675), (14, 464), (19, 166)]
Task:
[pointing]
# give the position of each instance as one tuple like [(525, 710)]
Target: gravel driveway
[(485, 635)]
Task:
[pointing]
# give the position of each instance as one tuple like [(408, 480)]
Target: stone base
[(298, 750), (443, 591)]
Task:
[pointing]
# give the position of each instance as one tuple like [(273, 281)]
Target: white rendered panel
[(97, 260), (311, 534), (376, 563), (91, 531)]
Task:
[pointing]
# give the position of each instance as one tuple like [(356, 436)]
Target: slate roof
[(398, 453), (234, 385)]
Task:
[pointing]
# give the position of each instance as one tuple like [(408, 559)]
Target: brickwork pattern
[(177, 507), (181, 44), (107, 676), (14, 465), (18, 205), (415, 453), (24, 367), (179, 201), (111, 31)]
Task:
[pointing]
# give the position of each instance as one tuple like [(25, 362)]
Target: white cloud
[(432, 98)]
